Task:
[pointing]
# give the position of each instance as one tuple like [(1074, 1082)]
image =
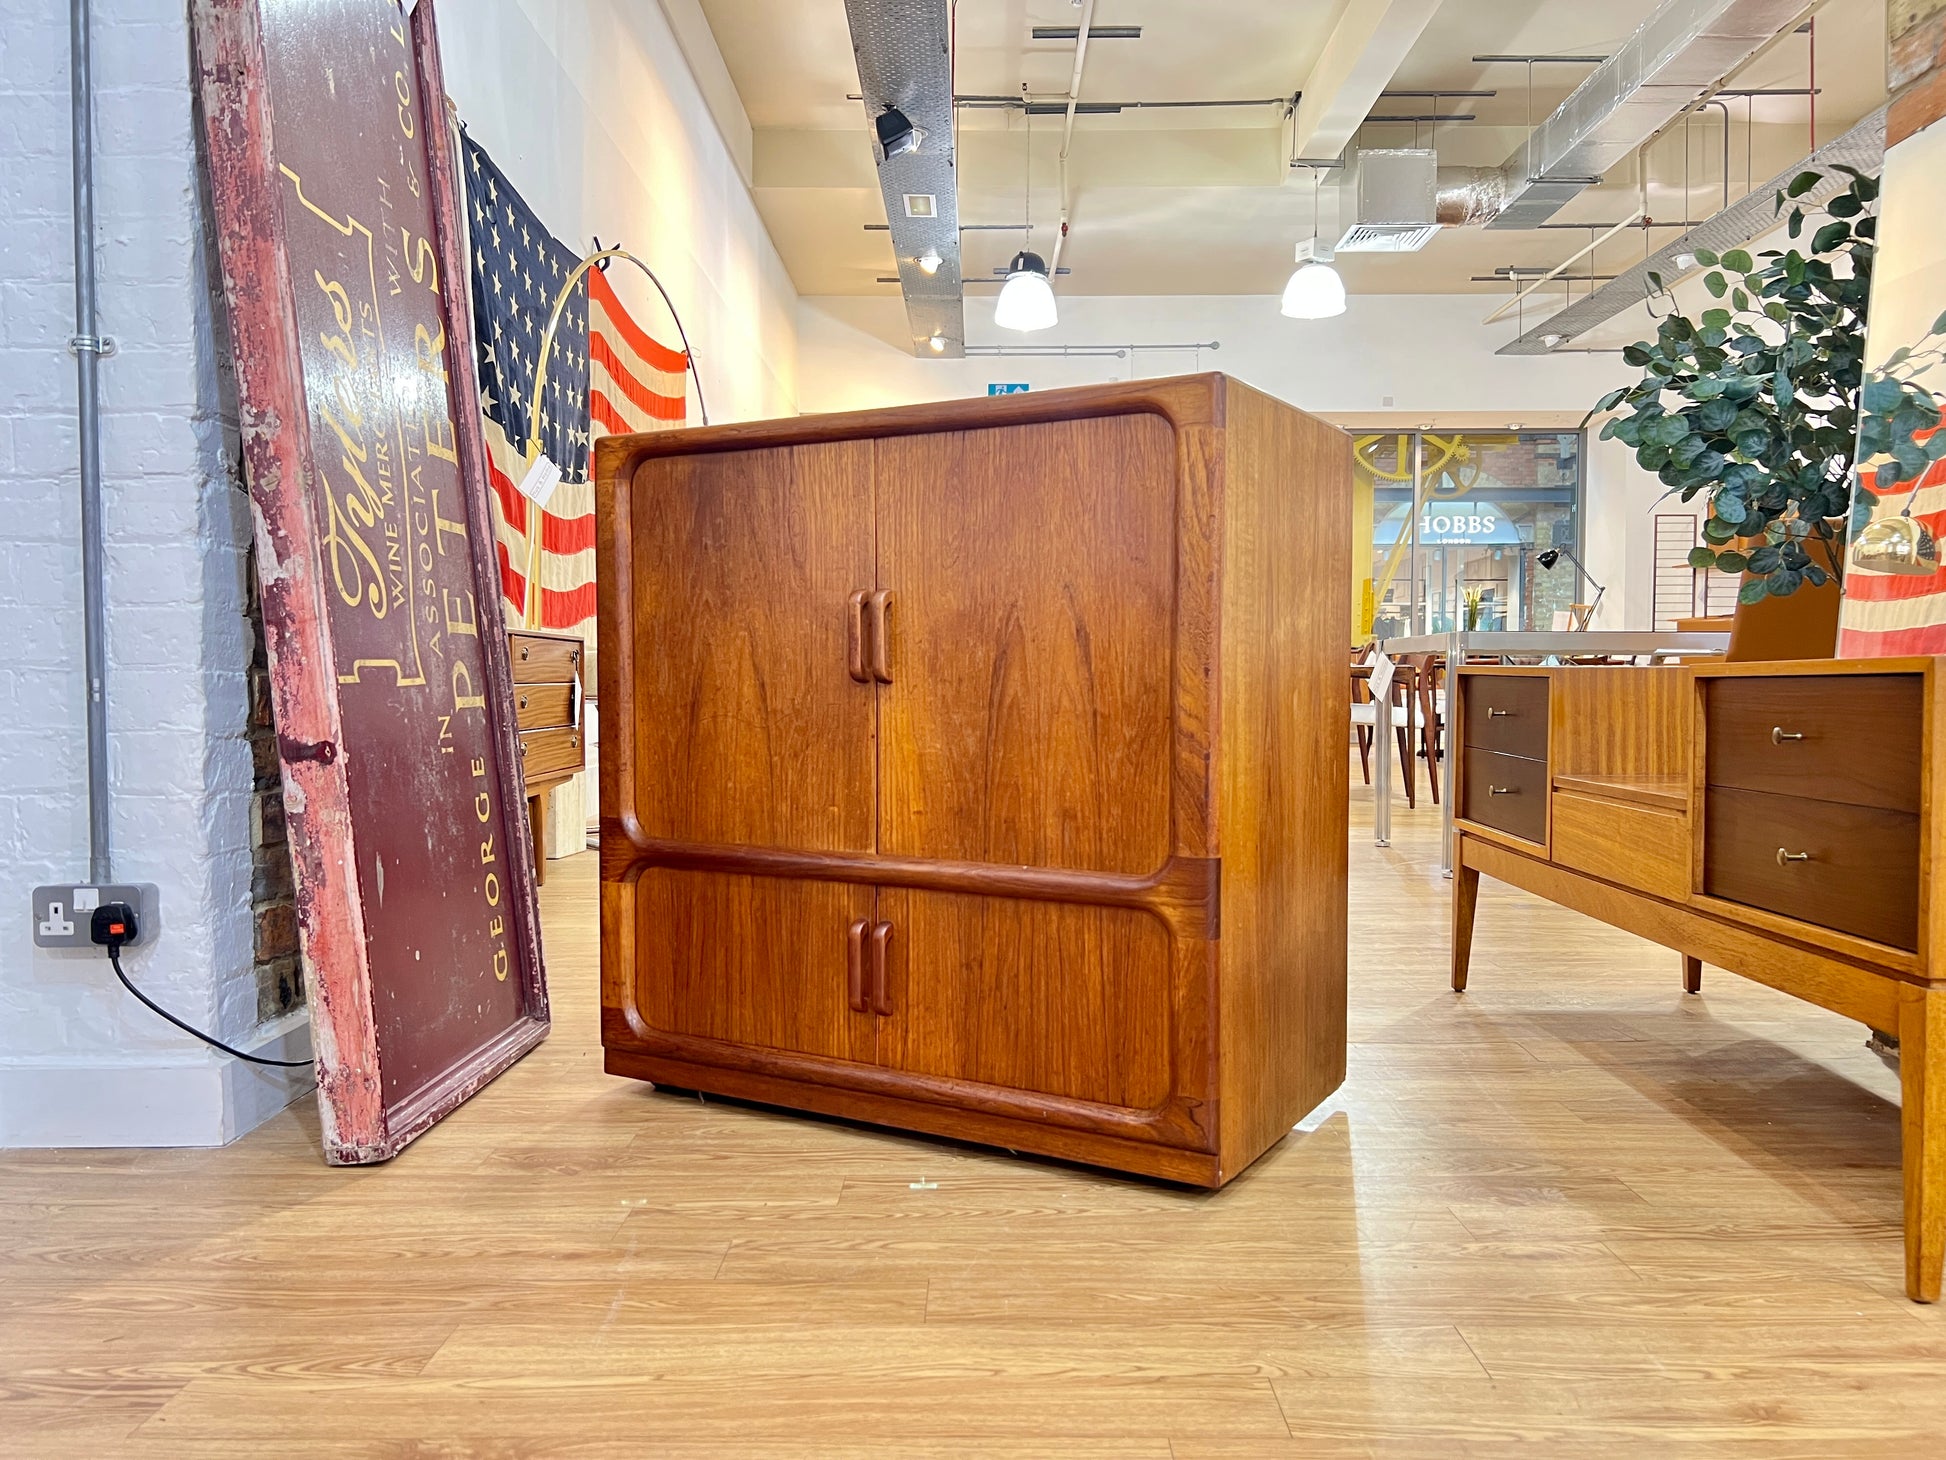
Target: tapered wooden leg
[(1692, 975), (1466, 895), (537, 824), (1922, 1118), (1406, 770), (1365, 753)]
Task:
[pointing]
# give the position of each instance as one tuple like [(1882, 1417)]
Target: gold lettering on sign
[(490, 886), (368, 534)]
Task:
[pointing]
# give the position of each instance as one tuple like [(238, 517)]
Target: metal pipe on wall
[(88, 347)]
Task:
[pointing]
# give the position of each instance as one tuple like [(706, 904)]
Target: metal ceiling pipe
[(1067, 127), (1678, 56), (904, 54), (88, 347)]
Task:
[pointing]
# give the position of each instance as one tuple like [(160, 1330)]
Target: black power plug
[(114, 925)]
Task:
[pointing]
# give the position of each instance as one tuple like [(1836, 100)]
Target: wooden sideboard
[(979, 768), (1777, 820), (547, 708)]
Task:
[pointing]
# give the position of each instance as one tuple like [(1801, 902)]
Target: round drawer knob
[(1784, 858), (523, 702), (1778, 735)]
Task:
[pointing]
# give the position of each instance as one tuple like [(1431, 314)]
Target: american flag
[(1898, 613), (605, 376)]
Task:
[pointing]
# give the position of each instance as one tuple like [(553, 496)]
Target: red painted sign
[(331, 171)]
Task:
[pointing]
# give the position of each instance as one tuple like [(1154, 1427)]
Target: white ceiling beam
[(1363, 54)]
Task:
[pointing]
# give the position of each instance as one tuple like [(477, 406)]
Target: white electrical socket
[(62, 912)]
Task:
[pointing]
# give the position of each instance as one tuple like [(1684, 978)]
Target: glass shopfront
[(1459, 519)]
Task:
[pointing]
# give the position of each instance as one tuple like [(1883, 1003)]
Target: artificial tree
[(1763, 404)]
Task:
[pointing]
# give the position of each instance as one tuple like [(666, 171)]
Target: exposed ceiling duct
[(905, 64), (1679, 55), (1749, 217)]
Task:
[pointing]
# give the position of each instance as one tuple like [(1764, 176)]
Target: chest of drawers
[(547, 708)]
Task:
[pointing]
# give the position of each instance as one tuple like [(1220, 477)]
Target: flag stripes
[(605, 376)]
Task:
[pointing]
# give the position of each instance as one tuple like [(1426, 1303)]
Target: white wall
[(80, 1062), (1389, 359), (591, 107)]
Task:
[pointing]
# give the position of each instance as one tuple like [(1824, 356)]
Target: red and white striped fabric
[(634, 384), (1899, 613)]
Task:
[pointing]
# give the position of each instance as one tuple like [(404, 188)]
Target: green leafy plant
[(1756, 404)]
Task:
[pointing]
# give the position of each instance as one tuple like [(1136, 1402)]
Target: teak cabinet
[(980, 768), (1774, 819)]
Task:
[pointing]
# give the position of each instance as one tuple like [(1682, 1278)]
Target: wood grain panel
[(748, 728), (1061, 999), (1862, 872), (1860, 745), (1625, 722), (749, 960), (1031, 574), (1637, 846), (1283, 776)]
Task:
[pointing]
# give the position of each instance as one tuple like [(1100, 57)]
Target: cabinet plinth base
[(1139, 1158)]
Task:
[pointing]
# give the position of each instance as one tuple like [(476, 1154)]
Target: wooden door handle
[(855, 969), (881, 987), (881, 639), (855, 638)]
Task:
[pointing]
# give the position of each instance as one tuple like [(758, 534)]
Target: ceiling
[(1202, 201)]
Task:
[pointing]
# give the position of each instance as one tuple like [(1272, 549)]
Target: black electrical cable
[(115, 957)]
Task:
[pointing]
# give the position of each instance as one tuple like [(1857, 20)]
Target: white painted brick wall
[(80, 1062)]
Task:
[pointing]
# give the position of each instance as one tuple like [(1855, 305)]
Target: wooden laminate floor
[(1572, 1213)]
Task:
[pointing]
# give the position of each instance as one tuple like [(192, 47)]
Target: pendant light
[(1026, 301), (1315, 291)]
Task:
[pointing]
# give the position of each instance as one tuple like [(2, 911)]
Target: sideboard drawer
[(1847, 738), (1505, 792), (1505, 712), (1854, 869)]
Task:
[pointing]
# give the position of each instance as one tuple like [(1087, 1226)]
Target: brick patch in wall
[(279, 975)]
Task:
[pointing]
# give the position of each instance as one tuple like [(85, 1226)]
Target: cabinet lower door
[(1053, 998), (761, 962)]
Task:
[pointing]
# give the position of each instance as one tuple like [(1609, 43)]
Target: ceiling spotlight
[(1554, 342), (896, 134), (1685, 261), (929, 262), (1315, 290), (938, 343), (1026, 300)]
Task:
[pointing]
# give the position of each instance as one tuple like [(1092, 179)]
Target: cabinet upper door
[(1031, 574), (749, 731)]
